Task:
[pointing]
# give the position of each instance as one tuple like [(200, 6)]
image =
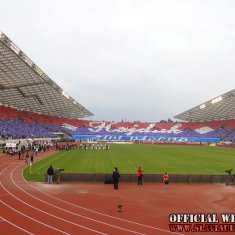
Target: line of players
[(94, 146)]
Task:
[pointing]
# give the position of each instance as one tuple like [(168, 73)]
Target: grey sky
[(135, 60)]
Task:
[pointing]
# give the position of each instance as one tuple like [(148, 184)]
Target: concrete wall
[(70, 177)]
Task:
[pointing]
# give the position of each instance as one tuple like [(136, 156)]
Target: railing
[(174, 178)]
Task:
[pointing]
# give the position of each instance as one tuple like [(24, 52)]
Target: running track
[(88, 208), (27, 209)]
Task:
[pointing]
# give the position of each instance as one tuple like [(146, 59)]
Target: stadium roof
[(25, 86), (219, 108)]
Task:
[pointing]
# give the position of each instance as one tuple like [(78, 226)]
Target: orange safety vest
[(140, 172)]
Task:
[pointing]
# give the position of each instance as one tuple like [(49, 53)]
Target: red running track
[(88, 208)]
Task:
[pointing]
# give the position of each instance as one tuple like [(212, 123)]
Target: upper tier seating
[(23, 124), (18, 130)]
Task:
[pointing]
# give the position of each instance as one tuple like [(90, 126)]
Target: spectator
[(27, 158), (32, 157), (116, 177), (19, 154), (57, 175), (140, 176), (166, 180), (50, 173)]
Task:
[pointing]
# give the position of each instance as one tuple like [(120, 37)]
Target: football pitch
[(154, 159)]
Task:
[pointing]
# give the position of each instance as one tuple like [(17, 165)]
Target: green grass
[(155, 159)]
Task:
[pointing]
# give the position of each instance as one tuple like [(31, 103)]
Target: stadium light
[(202, 106), (216, 100), (65, 94), (28, 61), (15, 48), (39, 71)]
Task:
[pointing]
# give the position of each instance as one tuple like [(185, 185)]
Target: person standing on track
[(140, 176), (116, 177), (165, 180), (27, 157), (32, 157), (58, 174), (19, 154), (50, 173)]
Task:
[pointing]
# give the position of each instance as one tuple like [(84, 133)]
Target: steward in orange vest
[(140, 176)]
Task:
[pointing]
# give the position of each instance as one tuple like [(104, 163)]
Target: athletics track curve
[(88, 208)]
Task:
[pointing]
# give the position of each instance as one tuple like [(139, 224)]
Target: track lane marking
[(4, 169), (77, 225), (20, 228), (102, 214), (73, 213), (99, 213), (33, 218)]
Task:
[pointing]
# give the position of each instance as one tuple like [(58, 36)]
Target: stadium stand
[(22, 124), (219, 108), (32, 105), (25, 86), (20, 130)]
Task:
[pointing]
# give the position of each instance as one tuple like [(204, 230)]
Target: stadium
[(39, 118)]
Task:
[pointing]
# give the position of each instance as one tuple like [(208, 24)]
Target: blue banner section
[(144, 138)]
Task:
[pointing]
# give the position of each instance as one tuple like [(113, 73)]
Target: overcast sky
[(137, 60)]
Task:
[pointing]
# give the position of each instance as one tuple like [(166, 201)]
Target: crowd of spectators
[(17, 124)]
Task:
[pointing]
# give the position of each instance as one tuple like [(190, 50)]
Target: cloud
[(138, 60)]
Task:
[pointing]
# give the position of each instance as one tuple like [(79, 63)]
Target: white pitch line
[(78, 225), (3, 219), (103, 214), (132, 165), (85, 217), (49, 163)]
